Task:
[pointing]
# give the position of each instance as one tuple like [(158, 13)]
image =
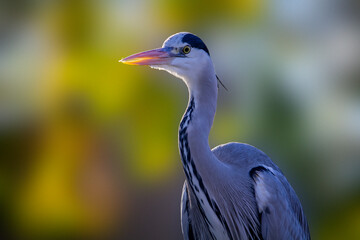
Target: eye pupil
[(186, 49)]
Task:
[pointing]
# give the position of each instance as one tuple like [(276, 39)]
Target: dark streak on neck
[(188, 161)]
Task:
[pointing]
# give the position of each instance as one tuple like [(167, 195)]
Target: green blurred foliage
[(89, 146)]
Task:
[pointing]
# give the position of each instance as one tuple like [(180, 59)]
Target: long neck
[(195, 128)]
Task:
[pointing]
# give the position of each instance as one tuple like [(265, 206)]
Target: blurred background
[(89, 145)]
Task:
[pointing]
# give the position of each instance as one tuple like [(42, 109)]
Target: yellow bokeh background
[(89, 145)]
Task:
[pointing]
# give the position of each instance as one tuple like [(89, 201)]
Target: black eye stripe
[(195, 42)]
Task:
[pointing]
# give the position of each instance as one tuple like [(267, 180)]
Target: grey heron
[(233, 191)]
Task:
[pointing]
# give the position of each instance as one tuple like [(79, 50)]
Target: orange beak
[(160, 56)]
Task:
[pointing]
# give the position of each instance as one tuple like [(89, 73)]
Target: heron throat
[(196, 123)]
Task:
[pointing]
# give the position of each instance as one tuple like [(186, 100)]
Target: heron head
[(183, 54)]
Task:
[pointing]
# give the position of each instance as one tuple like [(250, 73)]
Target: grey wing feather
[(281, 213), (185, 220), (192, 222)]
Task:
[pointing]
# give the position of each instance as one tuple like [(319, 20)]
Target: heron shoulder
[(242, 154)]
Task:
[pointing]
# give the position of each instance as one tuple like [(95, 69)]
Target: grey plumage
[(233, 191), (278, 215)]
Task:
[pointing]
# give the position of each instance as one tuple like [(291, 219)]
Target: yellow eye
[(186, 49)]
